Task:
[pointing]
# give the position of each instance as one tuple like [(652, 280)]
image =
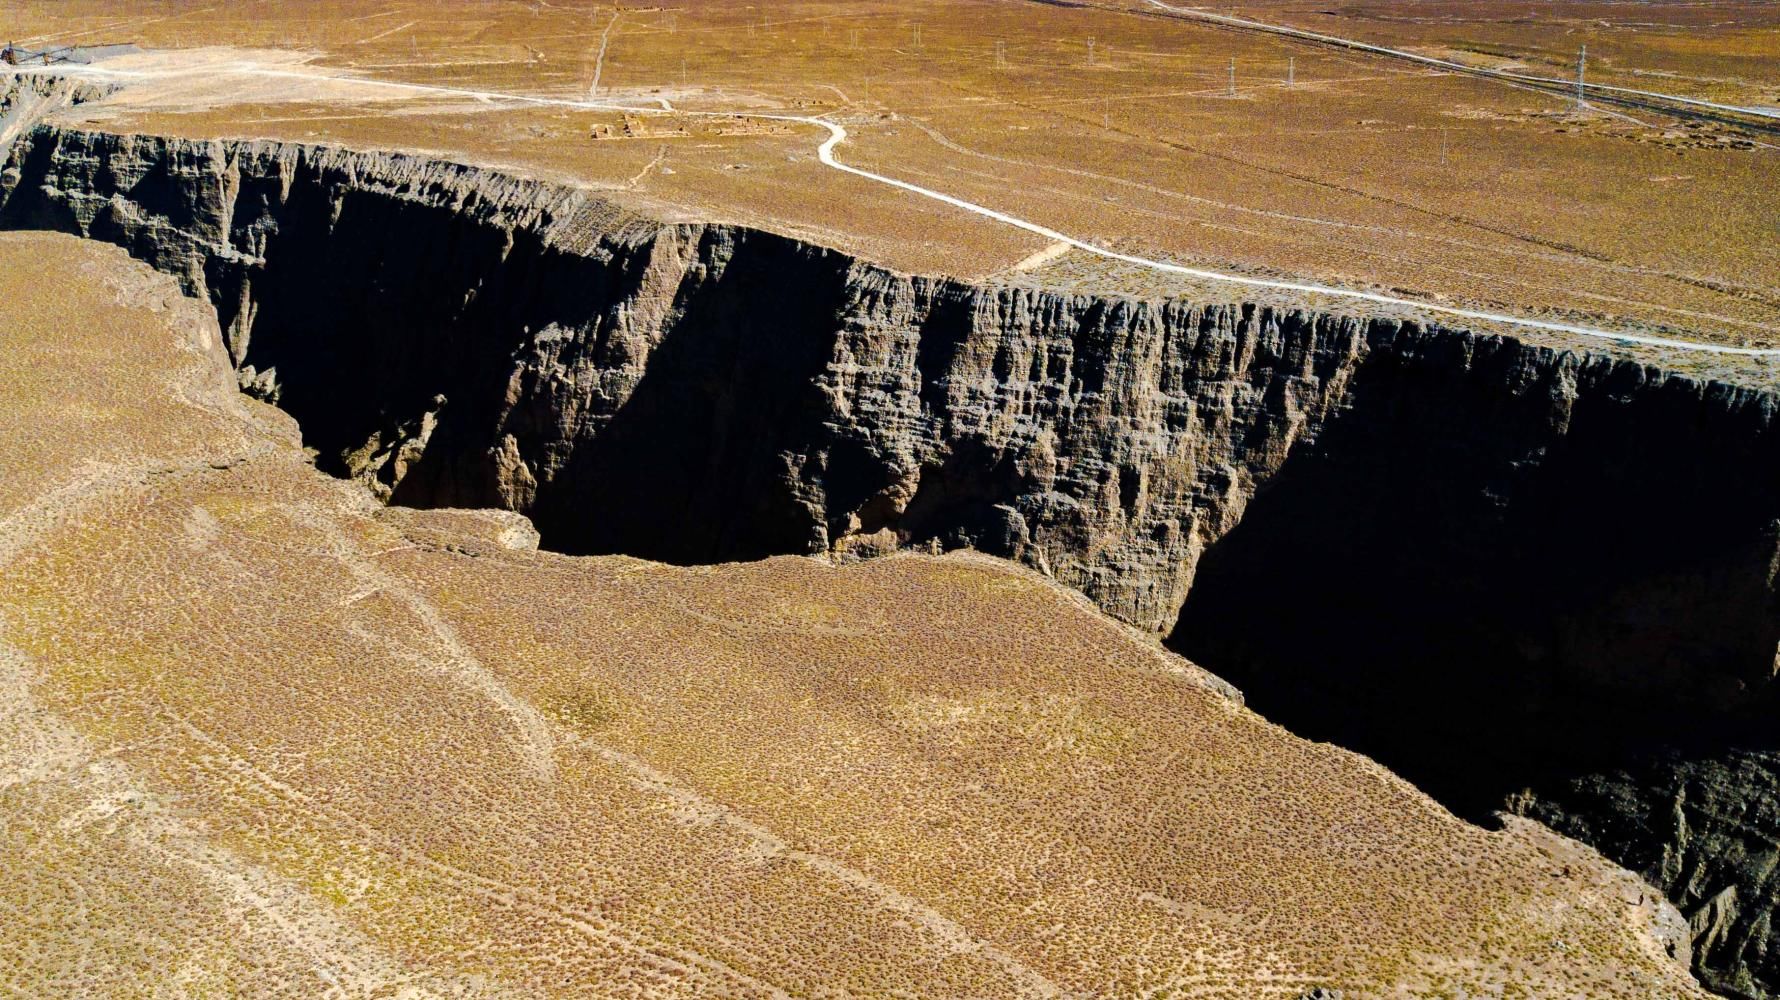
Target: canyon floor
[(263, 736)]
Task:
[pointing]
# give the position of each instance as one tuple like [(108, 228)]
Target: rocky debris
[(261, 385), (1322, 993), (1584, 545), (383, 460)]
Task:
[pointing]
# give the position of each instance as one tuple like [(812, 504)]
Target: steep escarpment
[(1579, 552), (696, 393), (261, 734), (1493, 566)]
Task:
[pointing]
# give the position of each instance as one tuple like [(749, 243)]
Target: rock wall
[(1701, 825), (1418, 541), (1546, 583), (697, 393), (1578, 551), (26, 99)]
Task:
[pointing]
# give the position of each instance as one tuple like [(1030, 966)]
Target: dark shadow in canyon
[(699, 464), (1483, 605)]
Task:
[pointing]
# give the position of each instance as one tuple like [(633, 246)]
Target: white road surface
[(837, 134)]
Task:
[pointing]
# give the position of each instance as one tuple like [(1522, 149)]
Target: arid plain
[(1116, 123)]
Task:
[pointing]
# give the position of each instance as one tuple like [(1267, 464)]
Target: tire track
[(599, 60), (663, 958), (452, 656), (954, 935)]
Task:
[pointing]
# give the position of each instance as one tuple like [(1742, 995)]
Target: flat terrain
[(260, 736), (1103, 121), (1721, 51)]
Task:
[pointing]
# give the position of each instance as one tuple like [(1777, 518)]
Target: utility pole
[(1000, 54), (1443, 145), (917, 34), (1581, 86), (1232, 76), (1090, 50), (1291, 70)]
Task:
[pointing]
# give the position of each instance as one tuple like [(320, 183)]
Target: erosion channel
[(1522, 577)]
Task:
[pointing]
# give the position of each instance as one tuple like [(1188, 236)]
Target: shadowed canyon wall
[(1511, 573), (1545, 585)]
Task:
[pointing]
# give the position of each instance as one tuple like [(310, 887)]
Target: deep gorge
[(1513, 574)]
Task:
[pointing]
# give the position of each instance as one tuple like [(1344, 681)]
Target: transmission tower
[(1581, 84)]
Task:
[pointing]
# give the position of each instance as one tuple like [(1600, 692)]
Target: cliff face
[(1701, 825), (701, 393), (25, 100), (1417, 541), (1546, 583), (1577, 552)]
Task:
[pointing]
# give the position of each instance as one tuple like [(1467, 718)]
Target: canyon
[(1523, 577), (261, 735)]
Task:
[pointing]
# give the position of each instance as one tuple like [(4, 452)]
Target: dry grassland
[(1367, 172), (262, 737), (1721, 51)]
